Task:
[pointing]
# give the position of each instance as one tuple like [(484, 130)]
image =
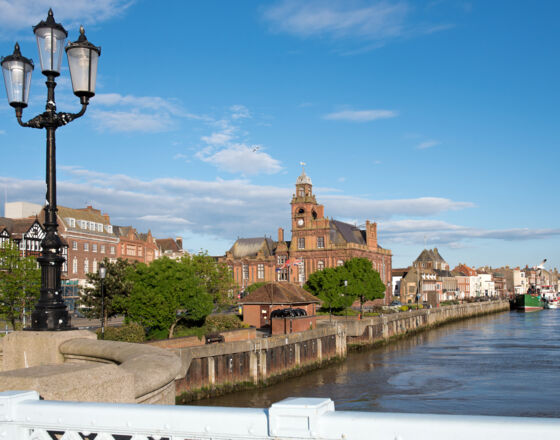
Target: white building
[(21, 209)]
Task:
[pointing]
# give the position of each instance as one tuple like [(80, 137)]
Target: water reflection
[(497, 365)]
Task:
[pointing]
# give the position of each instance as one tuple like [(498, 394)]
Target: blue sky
[(437, 119)]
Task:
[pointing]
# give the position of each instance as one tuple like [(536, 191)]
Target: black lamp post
[(50, 312), (102, 274)]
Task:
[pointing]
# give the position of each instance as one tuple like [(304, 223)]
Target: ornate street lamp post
[(102, 275), (50, 312)]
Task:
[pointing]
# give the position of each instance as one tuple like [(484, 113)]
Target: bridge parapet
[(24, 417)]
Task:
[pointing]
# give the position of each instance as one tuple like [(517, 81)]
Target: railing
[(24, 417)]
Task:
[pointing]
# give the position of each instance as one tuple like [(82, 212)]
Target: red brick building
[(134, 246), (317, 243), (259, 304)]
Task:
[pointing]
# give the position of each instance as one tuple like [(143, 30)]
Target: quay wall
[(217, 368)]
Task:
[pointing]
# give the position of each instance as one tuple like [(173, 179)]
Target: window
[(260, 271), (301, 271), (245, 271), (320, 242), (99, 227), (139, 251), (83, 224), (300, 192), (301, 243), (283, 275), (340, 263), (71, 222), (94, 248), (74, 245), (281, 260), (86, 265), (75, 265), (91, 226), (94, 266), (109, 229), (112, 250), (102, 249), (86, 247), (320, 265)]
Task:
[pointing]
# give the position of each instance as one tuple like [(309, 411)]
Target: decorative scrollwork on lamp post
[(50, 312)]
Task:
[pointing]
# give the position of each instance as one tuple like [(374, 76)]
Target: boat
[(551, 304), (530, 301), (550, 297)]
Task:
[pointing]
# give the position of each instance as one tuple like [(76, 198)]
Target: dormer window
[(91, 226), (71, 222), (83, 224), (99, 227)]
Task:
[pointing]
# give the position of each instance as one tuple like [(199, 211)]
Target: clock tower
[(305, 209)]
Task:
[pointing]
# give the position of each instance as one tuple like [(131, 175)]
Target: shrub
[(220, 323), (132, 332), (403, 308)]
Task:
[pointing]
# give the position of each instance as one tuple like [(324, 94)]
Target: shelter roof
[(280, 293)]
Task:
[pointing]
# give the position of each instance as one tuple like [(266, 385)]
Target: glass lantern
[(82, 60), (50, 41), (17, 78)]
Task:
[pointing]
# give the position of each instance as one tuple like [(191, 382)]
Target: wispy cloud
[(241, 158), (361, 115), (22, 14), (427, 144), (371, 23), (224, 209), (239, 112), (129, 113), (443, 233)]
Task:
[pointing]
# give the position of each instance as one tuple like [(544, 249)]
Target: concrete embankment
[(218, 368)]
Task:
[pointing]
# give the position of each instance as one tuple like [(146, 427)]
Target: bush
[(403, 308), (220, 323), (132, 332)]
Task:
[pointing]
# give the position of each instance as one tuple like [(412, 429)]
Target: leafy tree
[(254, 287), (327, 284), (20, 282), (165, 292), (364, 282), (215, 277), (117, 289)]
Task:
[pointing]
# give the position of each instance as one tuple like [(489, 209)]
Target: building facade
[(317, 242), (137, 247)]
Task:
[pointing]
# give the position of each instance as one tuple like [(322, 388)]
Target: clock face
[(300, 222)]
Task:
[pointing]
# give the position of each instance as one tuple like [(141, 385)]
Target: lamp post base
[(50, 319)]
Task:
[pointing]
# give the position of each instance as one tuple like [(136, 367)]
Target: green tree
[(364, 283), (254, 286), (20, 283), (165, 292), (117, 288), (327, 285), (215, 277)]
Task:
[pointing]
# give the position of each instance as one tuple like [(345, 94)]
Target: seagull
[(256, 148)]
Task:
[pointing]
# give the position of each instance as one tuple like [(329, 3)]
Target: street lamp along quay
[(102, 274), (50, 312)]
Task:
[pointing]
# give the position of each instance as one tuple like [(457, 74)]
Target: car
[(396, 303)]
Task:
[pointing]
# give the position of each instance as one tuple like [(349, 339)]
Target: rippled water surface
[(506, 364)]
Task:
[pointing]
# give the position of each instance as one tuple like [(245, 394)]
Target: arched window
[(320, 265)]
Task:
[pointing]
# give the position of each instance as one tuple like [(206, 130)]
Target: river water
[(506, 364)]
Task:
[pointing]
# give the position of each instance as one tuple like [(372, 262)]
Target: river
[(506, 364)]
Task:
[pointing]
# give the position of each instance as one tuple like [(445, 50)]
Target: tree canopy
[(20, 283), (165, 292), (215, 277), (362, 283), (117, 287)]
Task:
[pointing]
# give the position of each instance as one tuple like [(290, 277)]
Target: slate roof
[(250, 247), (121, 231), (280, 293), (168, 244), (342, 233)]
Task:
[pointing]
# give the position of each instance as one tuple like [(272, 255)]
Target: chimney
[(280, 235), (179, 241), (106, 217)]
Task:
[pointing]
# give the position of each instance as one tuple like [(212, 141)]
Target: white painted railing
[(24, 417)]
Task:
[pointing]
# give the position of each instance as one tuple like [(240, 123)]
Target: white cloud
[(222, 210), (241, 158), (427, 144), (239, 112), (22, 14), (361, 115), (217, 139), (338, 18), (443, 233), (131, 113)]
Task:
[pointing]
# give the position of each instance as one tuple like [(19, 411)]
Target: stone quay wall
[(216, 368)]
